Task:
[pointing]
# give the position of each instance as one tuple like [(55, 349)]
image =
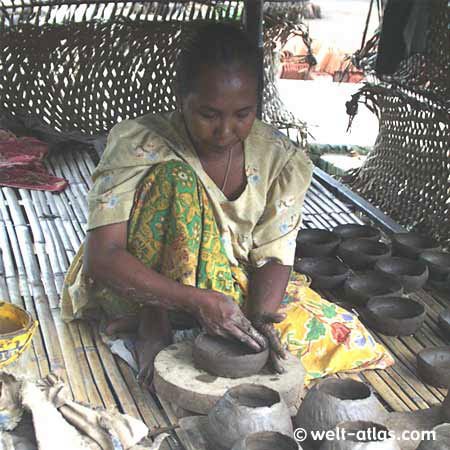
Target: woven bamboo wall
[(80, 67), (408, 173), (75, 68)]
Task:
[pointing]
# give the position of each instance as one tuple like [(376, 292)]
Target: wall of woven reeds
[(74, 68), (407, 174)]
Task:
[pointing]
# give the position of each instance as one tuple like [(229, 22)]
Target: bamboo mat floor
[(40, 233)]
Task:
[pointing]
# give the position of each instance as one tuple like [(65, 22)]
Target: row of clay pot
[(254, 417), (348, 407)]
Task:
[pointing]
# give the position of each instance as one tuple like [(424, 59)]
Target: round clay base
[(177, 380)]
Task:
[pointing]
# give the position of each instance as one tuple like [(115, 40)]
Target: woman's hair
[(215, 45)]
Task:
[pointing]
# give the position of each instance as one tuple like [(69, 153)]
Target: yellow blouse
[(261, 224)]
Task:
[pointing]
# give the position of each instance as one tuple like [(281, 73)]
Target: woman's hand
[(264, 324), (219, 315)]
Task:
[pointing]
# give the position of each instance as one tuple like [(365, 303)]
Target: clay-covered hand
[(219, 315), (264, 324)]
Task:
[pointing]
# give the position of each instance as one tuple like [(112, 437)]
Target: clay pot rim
[(226, 365), (433, 374), (317, 236), (374, 301), (438, 263), (406, 237), (430, 253), (442, 426), (412, 244), (437, 284), (372, 277), (254, 388), (316, 261), (350, 231), (342, 382), (421, 266), (429, 351), (363, 245)]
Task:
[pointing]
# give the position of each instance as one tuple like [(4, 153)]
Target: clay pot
[(445, 408), (410, 245), (362, 254), (361, 435), (226, 358), (441, 285), (394, 316), (333, 400), (317, 243), (440, 440), (438, 263), (356, 231), (325, 272), (358, 289), (266, 440), (245, 409), (412, 274), (444, 322), (433, 366)]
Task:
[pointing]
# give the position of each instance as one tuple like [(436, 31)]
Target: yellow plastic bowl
[(17, 328)]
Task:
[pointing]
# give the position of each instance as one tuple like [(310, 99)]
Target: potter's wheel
[(177, 380)]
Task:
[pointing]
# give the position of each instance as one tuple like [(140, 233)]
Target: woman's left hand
[(264, 324)]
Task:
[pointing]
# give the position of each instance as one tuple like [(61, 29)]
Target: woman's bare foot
[(154, 334)]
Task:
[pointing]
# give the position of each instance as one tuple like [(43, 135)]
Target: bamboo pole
[(95, 365)]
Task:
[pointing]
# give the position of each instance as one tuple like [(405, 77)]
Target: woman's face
[(220, 111)]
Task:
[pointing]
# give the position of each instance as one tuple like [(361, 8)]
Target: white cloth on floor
[(59, 422)]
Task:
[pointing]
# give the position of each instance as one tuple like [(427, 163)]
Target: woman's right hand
[(219, 315)]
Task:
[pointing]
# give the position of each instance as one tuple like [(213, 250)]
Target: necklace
[(228, 169)]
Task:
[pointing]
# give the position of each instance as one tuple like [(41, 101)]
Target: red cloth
[(21, 165)]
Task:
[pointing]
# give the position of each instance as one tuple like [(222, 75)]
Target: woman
[(197, 212)]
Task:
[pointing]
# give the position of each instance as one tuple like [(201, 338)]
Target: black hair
[(216, 45)]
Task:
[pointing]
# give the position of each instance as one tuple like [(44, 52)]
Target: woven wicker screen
[(75, 68), (407, 174), (82, 67)]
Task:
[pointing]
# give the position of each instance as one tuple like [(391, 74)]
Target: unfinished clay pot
[(410, 245), (445, 407), (361, 435), (325, 272), (333, 400), (266, 440), (245, 409), (394, 316), (356, 231), (358, 289), (226, 358), (440, 440), (444, 322), (438, 263), (433, 366), (362, 254), (316, 242), (411, 273)]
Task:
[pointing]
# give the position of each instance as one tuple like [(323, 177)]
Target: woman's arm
[(267, 290), (107, 260)]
